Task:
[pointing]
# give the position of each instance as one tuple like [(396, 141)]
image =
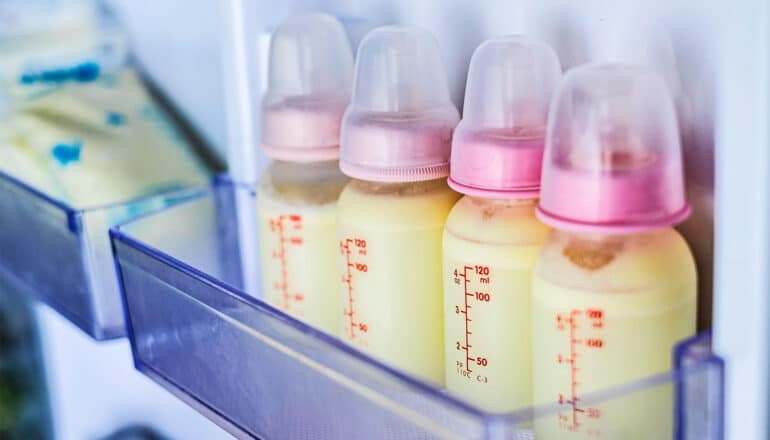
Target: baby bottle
[(396, 139), (309, 80), (614, 287), (492, 236)]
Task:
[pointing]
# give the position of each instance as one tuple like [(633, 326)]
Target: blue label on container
[(83, 72), (67, 153), (116, 119)]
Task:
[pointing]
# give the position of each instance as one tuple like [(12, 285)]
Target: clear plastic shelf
[(260, 373), (61, 255)]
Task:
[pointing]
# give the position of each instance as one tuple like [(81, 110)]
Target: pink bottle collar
[(565, 224), (497, 163), (397, 147), (619, 201), (493, 193), (302, 130)]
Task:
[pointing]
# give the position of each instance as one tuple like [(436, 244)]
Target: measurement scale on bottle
[(354, 251), (288, 229), (478, 295), (583, 327)]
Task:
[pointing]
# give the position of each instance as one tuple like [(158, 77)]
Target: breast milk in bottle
[(396, 139), (310, 76), (492, 237), (615, 286)]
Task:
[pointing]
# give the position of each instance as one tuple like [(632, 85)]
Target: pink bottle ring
[(297, 130)]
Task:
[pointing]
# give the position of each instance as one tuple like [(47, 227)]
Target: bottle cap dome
[(399, 124), (309, 79), (613, 160), (497, 150)]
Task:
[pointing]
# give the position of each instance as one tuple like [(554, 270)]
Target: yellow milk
[(296, 205), (390, 246), (607, 310), (490, 248)]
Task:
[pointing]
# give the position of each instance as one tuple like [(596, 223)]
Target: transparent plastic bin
[(61, 255), (259, 373)]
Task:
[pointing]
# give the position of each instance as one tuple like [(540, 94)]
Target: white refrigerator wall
[(178, 45), (714, 56), (94, 389)]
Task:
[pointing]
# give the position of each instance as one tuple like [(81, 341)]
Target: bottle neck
[(598, 237), (400, 188), (503, 202), (305, 171)]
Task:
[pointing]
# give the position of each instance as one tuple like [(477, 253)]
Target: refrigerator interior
[(209, 57)]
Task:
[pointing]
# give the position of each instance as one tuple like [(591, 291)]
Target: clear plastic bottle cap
[(613, 160), (309, 80), (497, 150), (398, 127)]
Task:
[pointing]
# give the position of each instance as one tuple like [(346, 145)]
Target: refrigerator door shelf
[(61, 255), (259, 373)]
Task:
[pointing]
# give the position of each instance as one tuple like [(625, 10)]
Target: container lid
[(309, 78), (497, 149), (398, 127), (613, 160)]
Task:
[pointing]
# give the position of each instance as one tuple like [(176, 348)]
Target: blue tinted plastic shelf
[(259, 373), (62, 256)]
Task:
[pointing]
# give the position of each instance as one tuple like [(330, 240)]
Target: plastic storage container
[(85, 146), (195, 331), (492, 238), (61, 254), (614, 287), (309, 82), (395, 145)]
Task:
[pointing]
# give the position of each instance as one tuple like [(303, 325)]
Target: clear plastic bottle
[(396, 145), (492, 237), (297, 210), (310, 74), (615, 286)]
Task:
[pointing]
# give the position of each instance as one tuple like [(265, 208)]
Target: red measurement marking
[(347, 248), (594, 319), (464, 277), (467, 347), (281, 226)]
